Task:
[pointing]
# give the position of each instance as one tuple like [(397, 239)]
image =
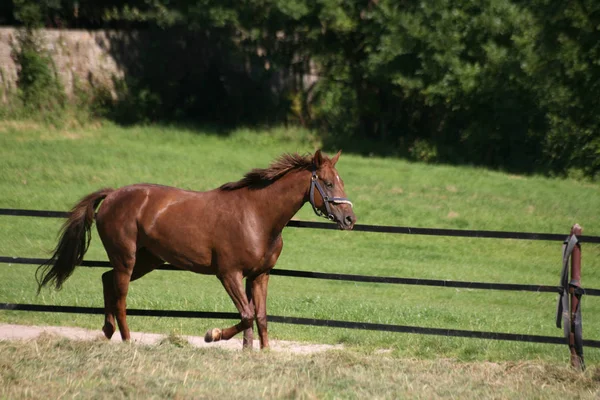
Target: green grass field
[(45, 168)]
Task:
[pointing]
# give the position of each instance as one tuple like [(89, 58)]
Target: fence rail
[(339, 277), (404, 230), (515, 337), (348, 277)]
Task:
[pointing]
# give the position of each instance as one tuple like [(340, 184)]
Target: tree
[(508, 84)]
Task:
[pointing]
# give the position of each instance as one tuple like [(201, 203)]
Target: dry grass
[(7, 126), (58, 368)]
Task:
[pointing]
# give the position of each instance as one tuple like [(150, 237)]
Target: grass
[(45, 168), (53, 368)]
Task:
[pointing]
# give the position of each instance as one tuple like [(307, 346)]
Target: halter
[(314, 182)]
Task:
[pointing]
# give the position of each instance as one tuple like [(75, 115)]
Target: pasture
[(45, 168)]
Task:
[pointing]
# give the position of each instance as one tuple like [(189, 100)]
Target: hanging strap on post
[(569, 313), (562, 311)]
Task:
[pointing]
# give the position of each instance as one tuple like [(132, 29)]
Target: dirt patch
[(27, 332)]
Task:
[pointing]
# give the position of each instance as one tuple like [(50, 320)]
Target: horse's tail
[(75, 237)]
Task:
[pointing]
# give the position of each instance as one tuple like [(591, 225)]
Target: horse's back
[(130, 202), (170, 222)]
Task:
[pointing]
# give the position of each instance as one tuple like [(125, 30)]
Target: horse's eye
[(329, 185)]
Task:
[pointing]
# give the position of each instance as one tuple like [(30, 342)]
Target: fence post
[(575, 292)]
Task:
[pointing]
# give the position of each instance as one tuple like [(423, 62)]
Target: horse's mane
[(262, 177)]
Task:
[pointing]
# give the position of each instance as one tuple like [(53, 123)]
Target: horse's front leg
[(232, 283)]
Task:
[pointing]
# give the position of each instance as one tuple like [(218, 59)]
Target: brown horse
[(231, 232)]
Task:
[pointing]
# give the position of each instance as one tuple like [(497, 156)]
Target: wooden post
[(575, 294)]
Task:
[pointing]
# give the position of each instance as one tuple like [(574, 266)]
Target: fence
[(338, 277)]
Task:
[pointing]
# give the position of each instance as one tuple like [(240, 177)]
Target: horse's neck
[(281, 200)]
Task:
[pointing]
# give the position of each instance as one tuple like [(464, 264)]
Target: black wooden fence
[(339, 277)]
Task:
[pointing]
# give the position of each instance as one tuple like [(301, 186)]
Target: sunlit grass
[(51, 169)]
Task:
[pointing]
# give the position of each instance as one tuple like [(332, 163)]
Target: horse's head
[(327, 195)]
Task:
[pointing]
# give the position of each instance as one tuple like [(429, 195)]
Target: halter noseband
[(314, 182)]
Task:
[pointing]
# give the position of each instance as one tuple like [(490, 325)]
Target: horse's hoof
[(212, 335), (108, 331)]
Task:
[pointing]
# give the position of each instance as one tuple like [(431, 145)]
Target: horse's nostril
[(348, 220)]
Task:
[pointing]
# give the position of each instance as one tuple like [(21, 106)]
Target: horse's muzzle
[(347, 222)]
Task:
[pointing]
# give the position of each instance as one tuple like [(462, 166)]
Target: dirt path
[(26, 332)]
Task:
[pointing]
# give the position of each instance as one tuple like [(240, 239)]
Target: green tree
[(507, 84), (560, 51)]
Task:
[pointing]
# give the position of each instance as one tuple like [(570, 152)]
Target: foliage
[(563, 69), (506, 84), (39, 88)]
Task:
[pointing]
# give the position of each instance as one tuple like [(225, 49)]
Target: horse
[(233, 232)]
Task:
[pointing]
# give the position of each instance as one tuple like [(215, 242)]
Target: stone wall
[(166, 74), (86, 57)]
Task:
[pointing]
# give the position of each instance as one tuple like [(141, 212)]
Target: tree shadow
[(191, 77)]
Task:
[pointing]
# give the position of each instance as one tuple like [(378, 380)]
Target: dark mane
[(261, 177)]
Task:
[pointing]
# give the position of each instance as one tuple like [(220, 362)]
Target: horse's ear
[(318, 159), (335, 158)]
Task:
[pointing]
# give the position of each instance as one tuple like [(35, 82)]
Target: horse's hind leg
[(145, 262), (249, 332), (123, 268), (108, 286), (115, 292), (259, 295)]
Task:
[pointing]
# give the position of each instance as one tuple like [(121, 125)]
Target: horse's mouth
[(343, 226)]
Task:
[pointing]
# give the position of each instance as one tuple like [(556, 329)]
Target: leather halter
[(314, 182)]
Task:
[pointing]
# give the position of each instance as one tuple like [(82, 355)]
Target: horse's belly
[(199, 269), (191, 259), (179, 238), (197, 266)]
